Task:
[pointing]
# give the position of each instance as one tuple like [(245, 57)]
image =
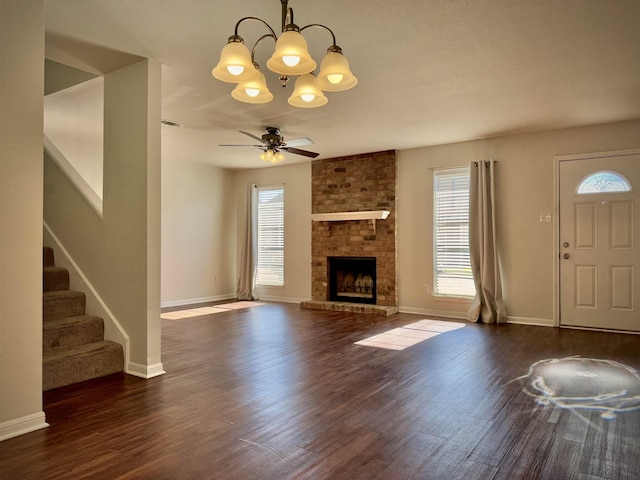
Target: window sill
[(453, 299)]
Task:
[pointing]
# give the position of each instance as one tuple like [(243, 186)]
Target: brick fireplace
[(358, 183), (352, 279)]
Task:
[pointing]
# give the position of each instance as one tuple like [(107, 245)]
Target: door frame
[(557, 161)]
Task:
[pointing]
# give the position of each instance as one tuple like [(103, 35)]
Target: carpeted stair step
[(48, 257), (67, 365), (55, 279), (70, 331), (66, 303)]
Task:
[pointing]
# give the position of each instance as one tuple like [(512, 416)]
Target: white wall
[(22, 84), (524, 190), (297, 226), (198, 232)]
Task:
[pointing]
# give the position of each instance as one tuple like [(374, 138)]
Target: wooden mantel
[(372, 215)]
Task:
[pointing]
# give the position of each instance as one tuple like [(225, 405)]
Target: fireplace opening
[(352, 279)]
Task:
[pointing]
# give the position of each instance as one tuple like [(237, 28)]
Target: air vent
[(170, 123)]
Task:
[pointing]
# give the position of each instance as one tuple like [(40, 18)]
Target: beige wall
[(524, 190), (120, 253), (297, 226), (198, 233), (58, 77), (22, 81), (74, 122)]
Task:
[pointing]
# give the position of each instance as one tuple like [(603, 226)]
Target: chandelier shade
[(291, 56), (335, 75), (235, 63), (253, 91), (306, 94)]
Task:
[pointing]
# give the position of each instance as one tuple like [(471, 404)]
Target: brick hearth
[(349, 307), (353, 184)]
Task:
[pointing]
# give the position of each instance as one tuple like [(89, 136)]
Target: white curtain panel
[(247, 278), (487, 305)]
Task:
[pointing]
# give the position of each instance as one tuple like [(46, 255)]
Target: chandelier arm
[(322, 26), (254, 18), (255, 45), (287, 13)]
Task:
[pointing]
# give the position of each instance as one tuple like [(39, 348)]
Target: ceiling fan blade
[(252, 136), (297, 151), (299, 142), (234, 145)]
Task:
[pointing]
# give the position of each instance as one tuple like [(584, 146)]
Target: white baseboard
[(271, 298), (192, 301), (22, 425), (145, 371), (433, 313), (541, 322)]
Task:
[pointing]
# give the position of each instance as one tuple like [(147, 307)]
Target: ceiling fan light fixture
[(335, 75), (253, 91), (306, 94), (272, 143), (291, 56), (235, 63), (272, 156), (267, 155)]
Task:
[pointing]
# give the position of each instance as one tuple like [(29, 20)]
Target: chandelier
[(291, 58)]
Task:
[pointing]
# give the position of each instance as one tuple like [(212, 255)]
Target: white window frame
[(270, 237), (456, 230)]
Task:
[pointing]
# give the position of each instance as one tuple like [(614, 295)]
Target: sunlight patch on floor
[(412, 334), (200, 311)]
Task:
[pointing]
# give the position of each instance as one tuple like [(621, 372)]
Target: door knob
[(565, 244), (565, 256)]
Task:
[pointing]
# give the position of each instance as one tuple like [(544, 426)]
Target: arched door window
[(603, 181)]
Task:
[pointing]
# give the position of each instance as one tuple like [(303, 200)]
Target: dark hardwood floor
[(276, 392)]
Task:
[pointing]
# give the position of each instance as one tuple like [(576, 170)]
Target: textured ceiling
[(430, 72)]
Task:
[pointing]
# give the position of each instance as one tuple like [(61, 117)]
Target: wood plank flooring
[(276, 392)]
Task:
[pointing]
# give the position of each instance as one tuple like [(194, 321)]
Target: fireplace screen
[(352, 279)]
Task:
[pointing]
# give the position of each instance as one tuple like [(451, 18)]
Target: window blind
[(452, 263), (270, 268)]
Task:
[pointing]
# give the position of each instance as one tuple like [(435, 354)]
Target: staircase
[(74, 349)]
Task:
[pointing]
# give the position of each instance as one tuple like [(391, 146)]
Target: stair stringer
[(95, 305)]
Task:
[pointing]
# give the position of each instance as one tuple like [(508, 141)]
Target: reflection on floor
[(584, 383), (403, 337), (200, 311)]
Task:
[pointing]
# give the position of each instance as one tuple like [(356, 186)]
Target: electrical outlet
[(217, 279)]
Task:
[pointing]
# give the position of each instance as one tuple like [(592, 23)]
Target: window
[(604, 182), (452, 264), (270, 269)]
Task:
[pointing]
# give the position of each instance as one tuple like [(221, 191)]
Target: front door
[(598, 234)]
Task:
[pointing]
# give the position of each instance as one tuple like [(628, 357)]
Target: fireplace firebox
[(352, 279)]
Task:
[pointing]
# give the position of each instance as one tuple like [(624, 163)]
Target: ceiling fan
[(272, 143)]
